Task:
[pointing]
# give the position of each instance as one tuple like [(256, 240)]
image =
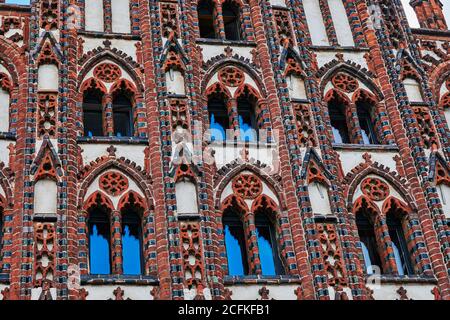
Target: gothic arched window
[(231, 20), (205, 12), (93, 113), (123, 115), (99, 240), (336, 109), (235, 243), (267, 245), (218, 116), (364, 110), (131, 241), (368, 241), (399, 245)]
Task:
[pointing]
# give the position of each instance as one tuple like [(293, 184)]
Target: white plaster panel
[(48, 78), (105, 292), (124, 45), (186, 194), (4, 152), (277, 292), (320, 201), (341, 24), (2, 287), (324, 57), (94, 15), (45, 197), (175, 82), (134, 153), (192, 293), (413, 91), (444, 195), (443, 89), (279, 3), (388, 291), (4, 110), (315, 22), (36, 292), (226, 154), (447, 116), (120, 12), (351, 158), (95, 186), (297, 89), (213, 50)]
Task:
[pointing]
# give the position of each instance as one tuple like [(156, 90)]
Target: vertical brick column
[(116, 242)]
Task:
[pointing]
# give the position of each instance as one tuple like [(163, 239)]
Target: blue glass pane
[(398, 260), (234, 253), (248, 134), (99, 251), (337, 135), (17, 1), (131, 251), (265, 251), (367, 260), (216, 129)]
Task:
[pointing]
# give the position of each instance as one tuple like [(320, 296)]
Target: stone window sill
[(7, 136), (113, 140), (109, 35), (408, 279), (338, 48), (373, 147), (233, 143), (237, 43), (263, 280), (102, 279)]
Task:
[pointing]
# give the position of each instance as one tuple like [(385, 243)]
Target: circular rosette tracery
[(345, 82), (231, 76), (375, 189), (107, 72), (113, 183), (247, 186)]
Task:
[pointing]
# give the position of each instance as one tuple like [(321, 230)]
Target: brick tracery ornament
[(47, 55), (47, 103), (447, 84), (169, 19), (107, 72), (426, 128), (44, 253), (5, 82), (375, 189), (192, 254), (292, 67), (305, 126), (345, 82), (442, 175), (46, 168), (49, 14), (445, 101), (231, 76), (332, 255), (179, 113), (173, 61), (315, 173), (247, 186), (113, 183)]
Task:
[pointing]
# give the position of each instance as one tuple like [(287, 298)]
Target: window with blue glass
[(368, 241), (247, 119), (21, 2), (1, 230), (399, 245), (336, 109), (93, 113), (267, 245), (131, 242), (235, 243), (99, 241), (364, 109), (218, 117)]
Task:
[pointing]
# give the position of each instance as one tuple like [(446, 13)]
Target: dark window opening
[(122, 116), (368, 242), (93, 113), (235, 244), (205, 11), (267, 244), (99, 241), (231, 20), (338, 122), (131, 242), (365, 122), (1, 232), (400, 247), (218, 118)]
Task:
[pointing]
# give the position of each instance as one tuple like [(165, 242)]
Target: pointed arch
[(133, 198), (98, 198), (123, 61), (233, 201), (361, 74), (127, 167)]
